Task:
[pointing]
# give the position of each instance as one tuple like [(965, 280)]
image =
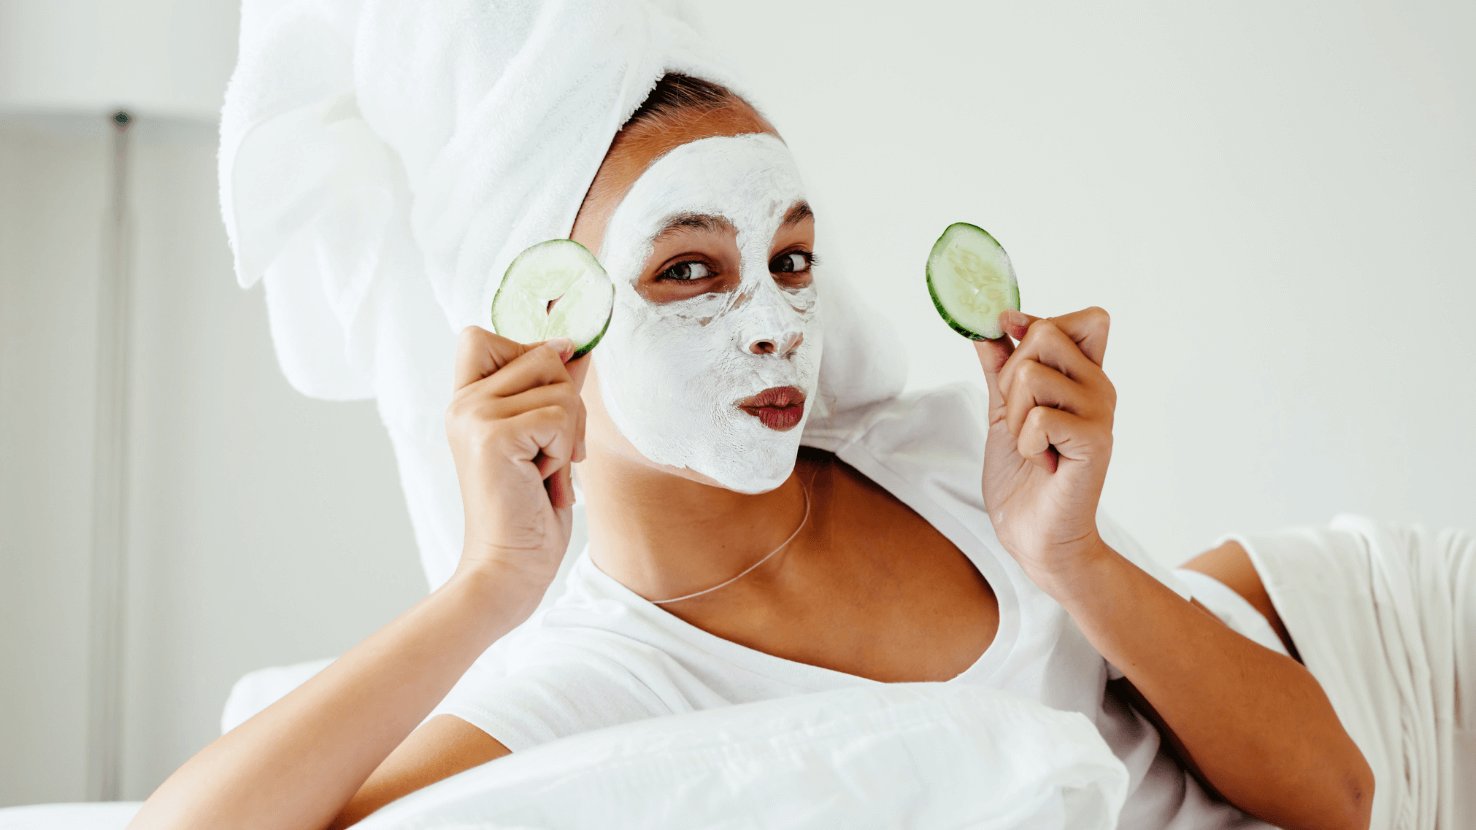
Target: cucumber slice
[(971, 281), (559, 270)]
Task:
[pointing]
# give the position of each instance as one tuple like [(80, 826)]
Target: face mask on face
[(674, 376)]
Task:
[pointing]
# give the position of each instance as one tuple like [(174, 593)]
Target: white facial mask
[(672, 375)]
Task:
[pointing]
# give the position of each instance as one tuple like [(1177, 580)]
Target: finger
[(543, 437), (562, 346), (540, 366), (503, 409), (580, 451), (1015, 323), (993, 354), (578, 368), (1035, 385), (479, 353), (1088, 329), (1050, 434), (560, 489), (1046, 343)]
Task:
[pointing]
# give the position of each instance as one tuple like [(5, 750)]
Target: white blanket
[(1385, 618), (916, 755), (106, 815)]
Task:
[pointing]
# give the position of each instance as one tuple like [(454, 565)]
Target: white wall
[(162, 57), (265, 528), (1272, 199), (51, 198)]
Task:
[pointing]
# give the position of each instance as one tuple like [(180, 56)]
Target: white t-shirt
[(600, 655)]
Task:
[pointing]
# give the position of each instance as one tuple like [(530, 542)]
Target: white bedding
[(916, 755), (108, 815), (1385, 618)]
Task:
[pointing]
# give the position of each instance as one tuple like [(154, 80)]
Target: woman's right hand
[(516, 424)]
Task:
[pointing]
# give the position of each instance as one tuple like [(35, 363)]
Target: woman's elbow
[(1357, 801), (1337, 796)]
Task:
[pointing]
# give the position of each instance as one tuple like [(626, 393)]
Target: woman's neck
[(665, 536)]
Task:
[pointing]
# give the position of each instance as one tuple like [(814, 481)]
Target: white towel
[(1385, 619), (382, 163)]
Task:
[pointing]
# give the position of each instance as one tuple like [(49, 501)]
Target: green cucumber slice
[(971, 281), (559, 270)]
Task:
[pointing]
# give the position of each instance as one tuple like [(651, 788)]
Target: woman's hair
[(676, 93), (673, 96)]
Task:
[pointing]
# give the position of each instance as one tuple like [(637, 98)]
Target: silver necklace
[(750, 568)]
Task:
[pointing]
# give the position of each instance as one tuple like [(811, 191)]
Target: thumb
[(578, 370), (992, 357)]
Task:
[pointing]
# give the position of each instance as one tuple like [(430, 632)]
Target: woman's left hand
[(1050, 438)]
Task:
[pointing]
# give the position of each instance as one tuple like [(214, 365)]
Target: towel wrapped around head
[(382, 163)]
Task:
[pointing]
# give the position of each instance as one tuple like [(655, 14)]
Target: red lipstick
[(779, 408)]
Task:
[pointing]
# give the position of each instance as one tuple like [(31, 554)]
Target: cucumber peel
[(971, 281), (554, 289)]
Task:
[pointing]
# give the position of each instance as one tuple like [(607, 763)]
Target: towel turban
[(382, 162)]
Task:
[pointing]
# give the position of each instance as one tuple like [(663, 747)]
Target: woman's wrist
[(501, 591), (1083, 575)]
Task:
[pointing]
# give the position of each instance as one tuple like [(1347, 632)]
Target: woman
[(775, 569)]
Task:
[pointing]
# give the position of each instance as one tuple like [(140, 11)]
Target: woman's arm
[(298, 762), (440, 748), (1256, 724), (515, 425)]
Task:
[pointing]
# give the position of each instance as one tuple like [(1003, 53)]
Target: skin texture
[(867, 587)]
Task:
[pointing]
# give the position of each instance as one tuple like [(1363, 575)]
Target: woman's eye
[(796, 262), (686, 272)]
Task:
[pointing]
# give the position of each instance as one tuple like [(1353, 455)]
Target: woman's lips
[(780, 408)]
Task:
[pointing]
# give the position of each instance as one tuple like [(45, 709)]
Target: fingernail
[(580, 451), (1015, 318), (563, 345)]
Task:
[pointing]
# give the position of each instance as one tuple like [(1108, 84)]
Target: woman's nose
[(783, 345), (771, 325)]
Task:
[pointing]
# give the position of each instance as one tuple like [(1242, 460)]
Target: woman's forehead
[(635, 149), (745, 184)]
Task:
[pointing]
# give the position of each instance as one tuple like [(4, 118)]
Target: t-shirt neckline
[(793, 672)]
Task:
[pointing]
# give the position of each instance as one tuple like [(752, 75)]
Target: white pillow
[(257, 690), (917, 755), (107, 815)]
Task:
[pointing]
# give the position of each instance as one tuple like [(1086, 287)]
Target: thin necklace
[(766, 558)]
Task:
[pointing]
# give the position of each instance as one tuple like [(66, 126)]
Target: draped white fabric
[(1385, 618), (382, 163)]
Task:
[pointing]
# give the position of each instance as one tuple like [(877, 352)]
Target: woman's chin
[(754, 488), (752, 479), (745, 479), (749, 458)]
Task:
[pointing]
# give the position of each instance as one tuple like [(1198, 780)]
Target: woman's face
[(714, 346)]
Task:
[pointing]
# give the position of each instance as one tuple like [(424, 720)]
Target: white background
[(265, 528), (1273, 200)]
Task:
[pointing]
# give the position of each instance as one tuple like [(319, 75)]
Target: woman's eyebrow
[(796, 214), (694, 221)]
